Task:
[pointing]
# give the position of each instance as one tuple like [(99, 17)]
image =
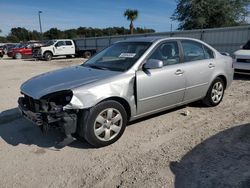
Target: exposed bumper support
[(32, 116), (67, 120)]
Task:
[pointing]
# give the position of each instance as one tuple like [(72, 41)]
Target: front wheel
[(105, 123), (215, 93), (48, 56), (18, 56)]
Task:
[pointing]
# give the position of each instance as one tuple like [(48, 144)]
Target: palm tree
[(131, 16)]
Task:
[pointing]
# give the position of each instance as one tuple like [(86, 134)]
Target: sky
[(68, 14)]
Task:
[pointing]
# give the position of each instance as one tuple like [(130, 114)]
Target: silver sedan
[(126, 81)]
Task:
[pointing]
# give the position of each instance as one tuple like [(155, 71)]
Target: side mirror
[(153, 64)]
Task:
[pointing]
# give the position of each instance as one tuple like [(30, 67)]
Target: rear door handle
[(211, 65), (179, 72)]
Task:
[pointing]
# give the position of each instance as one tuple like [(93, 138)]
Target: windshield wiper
[(96, 67)]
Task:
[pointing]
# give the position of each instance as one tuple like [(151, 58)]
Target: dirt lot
[(208, 148)]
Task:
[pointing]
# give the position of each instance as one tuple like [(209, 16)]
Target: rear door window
[(209, 54), (68, 43), (247, 46), (193, 51)]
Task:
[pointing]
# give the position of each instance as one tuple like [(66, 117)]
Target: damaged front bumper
[(28, 114), (51, 117)]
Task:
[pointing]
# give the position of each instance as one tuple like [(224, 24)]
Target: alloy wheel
[(217, 92), (108, 124)]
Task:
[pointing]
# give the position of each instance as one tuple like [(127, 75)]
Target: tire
[(215, 93), (18, 56), (104, 124), (68, 56), (87, 54), (48, 56)]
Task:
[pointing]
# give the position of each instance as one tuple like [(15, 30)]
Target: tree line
[(18, 34), (203, 14), (190, 14)]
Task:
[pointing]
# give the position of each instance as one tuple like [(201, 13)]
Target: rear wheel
[(48, 56), (87, 54), (105, 123), (215, 93)]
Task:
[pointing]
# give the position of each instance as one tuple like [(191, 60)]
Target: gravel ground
[(15, 72), (210, 147)]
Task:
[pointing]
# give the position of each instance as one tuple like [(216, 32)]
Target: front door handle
[(211, 65), (179, 72)]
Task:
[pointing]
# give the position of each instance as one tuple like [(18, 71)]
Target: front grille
[(36, 52), (31, 104), (243, 60), (242, 71)]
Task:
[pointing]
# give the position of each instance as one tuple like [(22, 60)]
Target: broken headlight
[(60, 98)]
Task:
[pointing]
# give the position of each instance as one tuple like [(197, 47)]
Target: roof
[(155, 38), (145, 39)]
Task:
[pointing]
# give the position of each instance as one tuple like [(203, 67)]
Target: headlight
[(59, 98)]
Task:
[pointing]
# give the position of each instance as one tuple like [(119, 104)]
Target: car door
[(69, 48), (199, 64), (60, 48), (163, 87), (28, 50)]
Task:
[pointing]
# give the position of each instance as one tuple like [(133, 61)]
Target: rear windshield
[(247, 46)]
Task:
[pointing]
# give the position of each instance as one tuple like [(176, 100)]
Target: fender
[(48, 51)]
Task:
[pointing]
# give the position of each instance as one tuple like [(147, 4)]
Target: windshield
[(247, 46), (18, 45), (49, 43), (118, 57)]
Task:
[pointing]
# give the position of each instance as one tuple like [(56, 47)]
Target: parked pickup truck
[(61, 47)]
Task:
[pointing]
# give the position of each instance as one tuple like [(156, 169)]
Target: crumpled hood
[(63, 79)]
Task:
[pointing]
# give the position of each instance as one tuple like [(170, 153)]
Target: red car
[(10, 52), (1, 51), (22, 50)]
